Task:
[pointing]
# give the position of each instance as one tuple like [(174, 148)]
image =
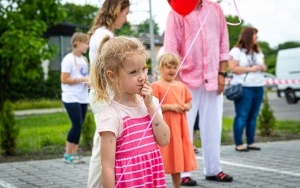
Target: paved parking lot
[(275, 166)]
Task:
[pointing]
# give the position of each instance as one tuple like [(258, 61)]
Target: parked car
[(288, 70)]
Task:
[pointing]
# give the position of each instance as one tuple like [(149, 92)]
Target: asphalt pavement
[(275, 166)]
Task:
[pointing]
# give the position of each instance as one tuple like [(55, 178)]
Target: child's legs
[(83, 111), (75, 114), (176, 180)]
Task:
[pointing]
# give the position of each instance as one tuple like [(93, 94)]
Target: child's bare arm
[(160, 128), (108, 152)]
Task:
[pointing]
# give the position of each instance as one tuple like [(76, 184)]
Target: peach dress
[(178, 155)]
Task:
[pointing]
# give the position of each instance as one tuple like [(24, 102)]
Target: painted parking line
[(6, 185), (257, 168)]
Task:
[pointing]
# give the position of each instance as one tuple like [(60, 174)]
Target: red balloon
[(183, 7)]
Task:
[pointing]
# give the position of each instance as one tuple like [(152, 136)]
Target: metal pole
[(153, 60)]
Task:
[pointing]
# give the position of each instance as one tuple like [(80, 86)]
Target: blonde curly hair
[(111, 56)]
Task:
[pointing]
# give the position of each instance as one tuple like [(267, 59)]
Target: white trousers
[(95, 168), (209, 105)]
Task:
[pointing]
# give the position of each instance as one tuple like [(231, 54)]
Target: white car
[(288, 74)]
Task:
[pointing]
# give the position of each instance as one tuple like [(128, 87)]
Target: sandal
[(187, 181), (242, 149), (221, 177), (77, 156), (72, 159), (253, 148)]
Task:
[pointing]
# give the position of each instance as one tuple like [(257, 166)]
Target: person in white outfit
[(112, 15), (204, 72), (74, 77)]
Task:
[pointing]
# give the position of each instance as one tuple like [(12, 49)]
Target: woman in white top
[(247, 66), (112, 15), (74, 77)]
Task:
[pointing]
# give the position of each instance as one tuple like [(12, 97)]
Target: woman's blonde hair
[(111, 56), (108, 14), (167, 59), (78, 37)]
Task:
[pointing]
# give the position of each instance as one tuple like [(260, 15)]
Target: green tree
[(270, 56), (22, 45), (85, 14), (80, 14), (144, 27), (234, 30), (125, 30), (289, 44), (266, 119), (8, 130)]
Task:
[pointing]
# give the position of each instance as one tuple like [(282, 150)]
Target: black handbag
[(234, 92)]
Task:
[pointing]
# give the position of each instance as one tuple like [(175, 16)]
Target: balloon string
[(157, 109), (183, 60), (237, 10)]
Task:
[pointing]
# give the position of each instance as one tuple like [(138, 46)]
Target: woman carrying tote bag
[(247, 60)]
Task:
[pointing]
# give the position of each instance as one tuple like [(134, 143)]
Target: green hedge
[(36, 89)]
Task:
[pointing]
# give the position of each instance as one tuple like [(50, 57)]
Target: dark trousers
[(246, 110), (76, 112)]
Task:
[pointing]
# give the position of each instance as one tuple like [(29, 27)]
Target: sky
[(278, 21)]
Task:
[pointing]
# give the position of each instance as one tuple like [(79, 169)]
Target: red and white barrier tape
[(270, 81), (281, 81)]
